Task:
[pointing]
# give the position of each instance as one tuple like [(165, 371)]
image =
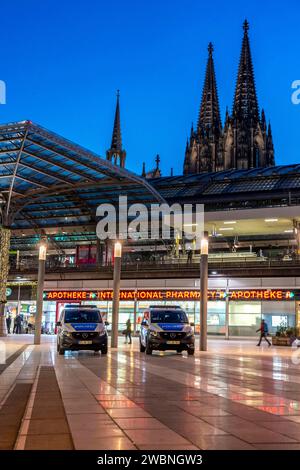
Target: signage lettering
[(181, 294)]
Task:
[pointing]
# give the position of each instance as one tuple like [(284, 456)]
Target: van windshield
[(82, 316), (168, 316)]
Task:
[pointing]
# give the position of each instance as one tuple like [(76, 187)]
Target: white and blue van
[(166, 328), (81, 327)]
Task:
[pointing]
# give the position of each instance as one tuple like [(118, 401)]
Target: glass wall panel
[(244, 318), (279, 314), (216, 318)]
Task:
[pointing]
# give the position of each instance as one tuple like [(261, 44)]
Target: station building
[(50, 188)]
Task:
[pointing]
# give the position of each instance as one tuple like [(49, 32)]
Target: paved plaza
[(235, 396)]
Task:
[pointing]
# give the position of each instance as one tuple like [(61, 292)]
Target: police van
[(166, 328), (81, 327)]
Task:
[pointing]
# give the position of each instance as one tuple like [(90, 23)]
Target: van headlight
[(189, 334), (102, 333), (67, 333), (154, 333)]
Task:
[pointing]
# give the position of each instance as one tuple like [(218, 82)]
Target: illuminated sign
[(157, 294), (8, 291)]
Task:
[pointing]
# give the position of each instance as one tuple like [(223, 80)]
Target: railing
[(31, 266)]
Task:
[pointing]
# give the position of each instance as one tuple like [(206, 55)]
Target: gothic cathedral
[(245, 141)]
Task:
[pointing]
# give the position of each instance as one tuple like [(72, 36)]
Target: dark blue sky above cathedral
[(62, 62)]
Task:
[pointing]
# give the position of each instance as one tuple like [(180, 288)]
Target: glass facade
[(244, 317)]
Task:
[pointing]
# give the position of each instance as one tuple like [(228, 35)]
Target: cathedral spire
[(116, 152), (209, 115), (245, 104)]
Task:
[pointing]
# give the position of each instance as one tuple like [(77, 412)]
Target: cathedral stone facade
[(245, 141)]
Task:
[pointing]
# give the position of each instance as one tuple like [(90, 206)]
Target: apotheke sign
[(158, 294)]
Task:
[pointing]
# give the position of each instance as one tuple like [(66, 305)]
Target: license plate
[(173, 342), (85, 342)]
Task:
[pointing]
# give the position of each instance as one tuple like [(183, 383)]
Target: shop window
[(244, 318)]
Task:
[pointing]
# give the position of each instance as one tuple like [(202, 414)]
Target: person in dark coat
[(18, 324), (264, 331), (8, 323)]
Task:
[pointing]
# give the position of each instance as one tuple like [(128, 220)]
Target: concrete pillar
[(4, 268), (203, 292), (227, 313), (134, 316), (116, 295), (39, 296)]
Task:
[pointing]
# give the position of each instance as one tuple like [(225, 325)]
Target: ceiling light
[(271, 220), (289, 231), (227, 222), (226, 228)]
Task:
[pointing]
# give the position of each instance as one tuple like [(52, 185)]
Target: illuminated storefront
[(231, 312)]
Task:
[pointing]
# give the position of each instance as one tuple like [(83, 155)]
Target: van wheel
[(191, 352), (148, 348), (142, 348), (104, 349), (61, 351)]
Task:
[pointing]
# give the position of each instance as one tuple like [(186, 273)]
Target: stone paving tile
[(139, 423), (167, 447), (226, 442), (86, 422), (118, 404), (163, 436), (295, 419), (90, 442), (277, 446), (288, 428), (49, 442), (128, 413), (45, 426), (199, 428)]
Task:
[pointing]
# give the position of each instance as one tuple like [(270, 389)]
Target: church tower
[(204, 148), (116, 154), (247, 142)]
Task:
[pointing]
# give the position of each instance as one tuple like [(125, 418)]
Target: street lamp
[(116, 294), (203, 291), (40, 291)]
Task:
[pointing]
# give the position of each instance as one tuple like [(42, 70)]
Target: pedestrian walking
[(18, 324), (264, 331), (128, 331), (8, 323)]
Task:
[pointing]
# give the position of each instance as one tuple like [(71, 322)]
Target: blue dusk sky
[(62, 62)]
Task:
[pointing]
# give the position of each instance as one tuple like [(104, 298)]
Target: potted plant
[(285, 336)]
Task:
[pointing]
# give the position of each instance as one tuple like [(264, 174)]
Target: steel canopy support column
[(4, 268), (116, 294), (203, 292)]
